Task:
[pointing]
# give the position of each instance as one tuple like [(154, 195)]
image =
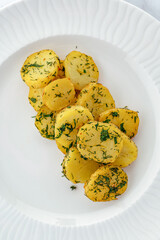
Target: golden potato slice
[(61, 70), (68, 121), (45, 122), (96, 98), (106, 183), (76, 168), (126, 120), (61, 148), (128, 154), (35, 98), (40, 68), (58, 94), (99, 141), (81, 69)]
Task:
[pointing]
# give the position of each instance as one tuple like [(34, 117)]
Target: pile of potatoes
[(81, 116)]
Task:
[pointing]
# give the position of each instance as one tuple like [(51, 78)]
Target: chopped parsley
[(104, 135), (33, 65), (58, 94), (115, 140), (135, 118), (73, 187), (96, 125), (50, 63), (126, 107), (34, 100), (115, 114), (122, 128), (107, 121), (63, 128)]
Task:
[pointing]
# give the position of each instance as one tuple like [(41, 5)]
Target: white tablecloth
[(150, 6)]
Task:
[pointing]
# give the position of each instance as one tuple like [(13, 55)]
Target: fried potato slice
[(96, 98), (35, 98), (68, 121), (61, 148), (45, 122), (106, 183), (81, 69), (76, 168), (128, 154), (99, 141), (58, 94), (40, 68), (126, 120)]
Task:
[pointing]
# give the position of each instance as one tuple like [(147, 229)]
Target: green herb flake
[(104, 135), (107, 121), (34, 100), (49, 63), (73, 187), (122, 128), (115, 114), (135, 118), (33, 65), (68, 92), (58, 95), (115, 140), (96, 125), (122, 184)]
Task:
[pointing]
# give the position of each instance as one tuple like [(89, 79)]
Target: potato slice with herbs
[(106, 183), (126, 120), (81, 69), (35, 98), (76, 168), (128, 154), (99, 141), (61, 148), (61, 70), (45, 122), (68, 122), (96, 98), (58, 94), (40, 68)]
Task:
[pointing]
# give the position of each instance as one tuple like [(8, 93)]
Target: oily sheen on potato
[(128, 154), (81, 69), (126, 120), (76, 168), (99, 141), (58, 94), (40, 68), (96, 98)]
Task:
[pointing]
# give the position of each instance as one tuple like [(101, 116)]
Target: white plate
[(36, 202)]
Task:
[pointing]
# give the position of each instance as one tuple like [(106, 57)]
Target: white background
[(150, 6)]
